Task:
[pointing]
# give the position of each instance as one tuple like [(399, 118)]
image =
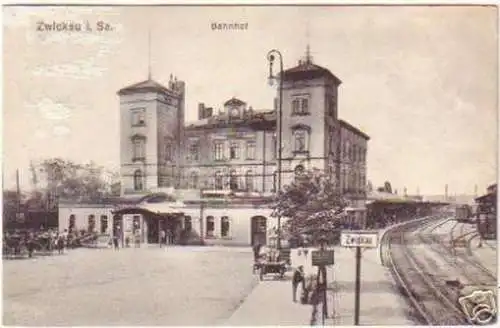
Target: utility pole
[(271, 57), (202, 210), (357, 287), (18, 191)]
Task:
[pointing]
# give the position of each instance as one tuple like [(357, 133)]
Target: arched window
[(300, 140), (72, 223), (138, 180), (233, 180), (224, 227), (210, 226), (249, 180), (218, 181), (168, 150), (193, 180), (104, 223), (91, 223)]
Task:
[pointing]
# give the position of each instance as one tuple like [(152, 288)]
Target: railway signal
[(358, 239)]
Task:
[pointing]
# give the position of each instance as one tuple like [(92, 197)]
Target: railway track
[(431, 299), (460, 259)]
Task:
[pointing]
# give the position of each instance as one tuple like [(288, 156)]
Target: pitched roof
[(354, 129), (306, 70), (234, 101), (145, 86)]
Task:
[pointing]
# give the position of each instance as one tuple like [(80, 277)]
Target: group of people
[(48, 240), (313, 288)]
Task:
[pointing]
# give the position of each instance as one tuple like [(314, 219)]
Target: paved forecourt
[(145, 286)]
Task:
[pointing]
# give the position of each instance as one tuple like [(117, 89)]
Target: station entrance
[(132, 222)]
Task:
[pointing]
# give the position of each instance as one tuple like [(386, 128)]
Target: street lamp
[(271, 56)]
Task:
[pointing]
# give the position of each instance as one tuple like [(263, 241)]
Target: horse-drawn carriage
[(270, 263)]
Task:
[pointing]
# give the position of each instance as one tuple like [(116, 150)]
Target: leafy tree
[(10, 205), (69, 180), (311, 202)]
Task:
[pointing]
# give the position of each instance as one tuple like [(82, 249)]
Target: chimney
[(179, 86), (201, 111), (209, 112), (275, 103)]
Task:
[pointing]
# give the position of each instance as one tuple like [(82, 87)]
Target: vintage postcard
[(212, 165)]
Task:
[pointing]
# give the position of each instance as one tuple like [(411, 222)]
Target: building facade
[(236, 148), (233, 150)]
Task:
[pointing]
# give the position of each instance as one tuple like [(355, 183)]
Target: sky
[(421, 81)]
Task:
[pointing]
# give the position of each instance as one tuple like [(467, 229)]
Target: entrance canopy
[(155, 205)]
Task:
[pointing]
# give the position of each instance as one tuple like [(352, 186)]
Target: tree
[(310, 202), (69, 180)]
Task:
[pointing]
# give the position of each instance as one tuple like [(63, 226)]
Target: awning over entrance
[(153, 209)]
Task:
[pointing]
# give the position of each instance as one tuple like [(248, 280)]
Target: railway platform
[(380, 302)]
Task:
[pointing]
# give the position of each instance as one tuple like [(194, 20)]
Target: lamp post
[(271, 56)]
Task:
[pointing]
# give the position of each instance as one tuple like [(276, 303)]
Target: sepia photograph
[(250, 165)]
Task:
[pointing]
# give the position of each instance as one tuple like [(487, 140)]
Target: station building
[(224, 166)]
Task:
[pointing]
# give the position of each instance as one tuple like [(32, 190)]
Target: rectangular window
[(194, 151), (138, 117), (300, 105), (296, 106), (218, 151), (139, 149), (224, 227), (104, 224), (234, 150), (91, 223), (251, 149), (304, 106)]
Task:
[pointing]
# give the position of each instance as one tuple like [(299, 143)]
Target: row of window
[(300, 106), (139, 149), (235, 181), (218, 150), (353, 181), (300, 137), (91, 223), (354, 153), (210, 227)]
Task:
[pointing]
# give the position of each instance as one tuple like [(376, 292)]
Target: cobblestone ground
[(146, 286)]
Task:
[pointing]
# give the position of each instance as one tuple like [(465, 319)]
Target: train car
[(487, 215), (463, 213)]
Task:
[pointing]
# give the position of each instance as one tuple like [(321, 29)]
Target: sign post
[(358, 239), (321, 259)]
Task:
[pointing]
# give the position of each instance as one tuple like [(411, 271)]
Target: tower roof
[(145, 86), (234, 101), (307, 70)]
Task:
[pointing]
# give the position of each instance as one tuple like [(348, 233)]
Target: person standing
[(116, 237), (163, 238), (298, 278)]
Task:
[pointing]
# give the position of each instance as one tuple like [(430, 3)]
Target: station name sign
[(365, 239)]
